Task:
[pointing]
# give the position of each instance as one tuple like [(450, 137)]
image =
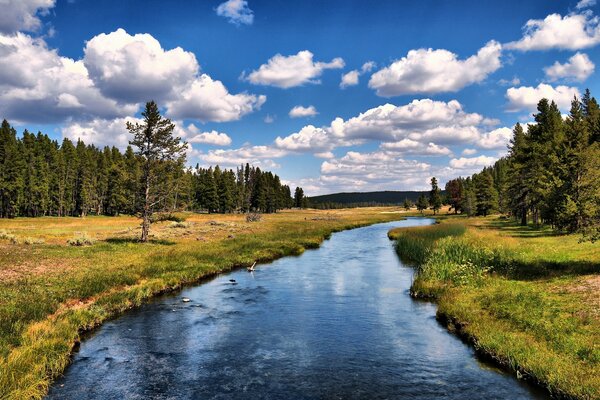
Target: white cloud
[(509, 82), (420, 127), (473, 162), (468, 152), (300, 111), (496, 139), (236, 11), (38, 85), (269, 119), (413, 147), (101, 132), (289, 71), (135, 68), (22, 15), (585, 4), (379, 170), (213, 137), (351, 78), (571, 32), (206, 99), (261, 156), (435, 71), (527, 97), (578, 68)]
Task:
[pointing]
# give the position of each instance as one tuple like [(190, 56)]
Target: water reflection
[(336, 322)]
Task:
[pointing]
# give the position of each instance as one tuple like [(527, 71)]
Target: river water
[(334, 323)]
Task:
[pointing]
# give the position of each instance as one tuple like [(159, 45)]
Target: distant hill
[(366, 198)]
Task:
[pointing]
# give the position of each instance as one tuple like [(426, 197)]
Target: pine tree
[(435, 197), (422, 203), (159, 150), (298, 197)]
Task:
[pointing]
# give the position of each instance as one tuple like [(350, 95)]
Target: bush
[(82, 240), (167, 217), (30, 241), (253, 217), (183, 225)]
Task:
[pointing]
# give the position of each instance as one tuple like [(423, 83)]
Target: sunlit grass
[(50, 292), (525, 296)]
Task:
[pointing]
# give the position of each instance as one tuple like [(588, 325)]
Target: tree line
[(551, 174), (42, 177)]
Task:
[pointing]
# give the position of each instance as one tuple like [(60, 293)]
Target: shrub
[(253, 217), (179, 225), (167, 217), (81, 240), (30, 241)]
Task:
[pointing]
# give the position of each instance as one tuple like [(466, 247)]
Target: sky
[(333, 96)]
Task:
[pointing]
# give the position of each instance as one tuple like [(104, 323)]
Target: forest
[(40, 177), (550, 176)]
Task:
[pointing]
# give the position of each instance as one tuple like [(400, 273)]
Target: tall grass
[(75, 288), (526, 301)]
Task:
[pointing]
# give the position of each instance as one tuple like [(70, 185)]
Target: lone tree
[(407, 204), (422, 203), (299, 197), (161, 153), (435, 197)]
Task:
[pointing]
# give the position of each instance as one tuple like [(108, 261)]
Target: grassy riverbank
[(50, 292), (526, 297)]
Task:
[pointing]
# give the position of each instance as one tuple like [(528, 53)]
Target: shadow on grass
[(135, 240), (514, 229), (548, 269)]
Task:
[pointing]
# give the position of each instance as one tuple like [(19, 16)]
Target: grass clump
[(81, 240), (524, 296)]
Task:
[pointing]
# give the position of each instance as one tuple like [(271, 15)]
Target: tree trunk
[(524, 217), (146, 212)]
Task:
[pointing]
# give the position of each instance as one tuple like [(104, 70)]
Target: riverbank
[(51, 292), (525, 297)]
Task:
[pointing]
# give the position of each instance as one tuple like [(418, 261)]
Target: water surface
[(334, 323)]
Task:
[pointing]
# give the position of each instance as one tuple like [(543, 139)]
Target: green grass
[(50, 293), (527, 297)]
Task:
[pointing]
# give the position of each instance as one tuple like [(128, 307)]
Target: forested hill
[(366, 198)]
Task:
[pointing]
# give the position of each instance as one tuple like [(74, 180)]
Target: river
[(334, 323)]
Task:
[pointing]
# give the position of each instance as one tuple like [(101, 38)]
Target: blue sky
[(332, 96)]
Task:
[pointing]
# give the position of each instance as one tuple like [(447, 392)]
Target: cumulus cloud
[(213, 137), (38, 85), (574, 31), (22, 15), (269, 119), (468, 152), (117, 74), (379, 170), (527, 97), (101, 132), (261, 156), (290, 71), (509, 82), (496, 139), (421, 126), (300, 111), (206, 99), (413, 147), (236, 11), (135, 68), (435, 71), (578, 68), (472, 162), (351, 78)]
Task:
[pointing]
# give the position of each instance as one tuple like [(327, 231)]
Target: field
[(50, 291), (526, 297)]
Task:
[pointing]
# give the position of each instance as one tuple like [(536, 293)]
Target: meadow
[(526, 297), (60, 277)]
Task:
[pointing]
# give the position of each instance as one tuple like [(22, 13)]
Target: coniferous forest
[(551, 174), (42, 177)]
